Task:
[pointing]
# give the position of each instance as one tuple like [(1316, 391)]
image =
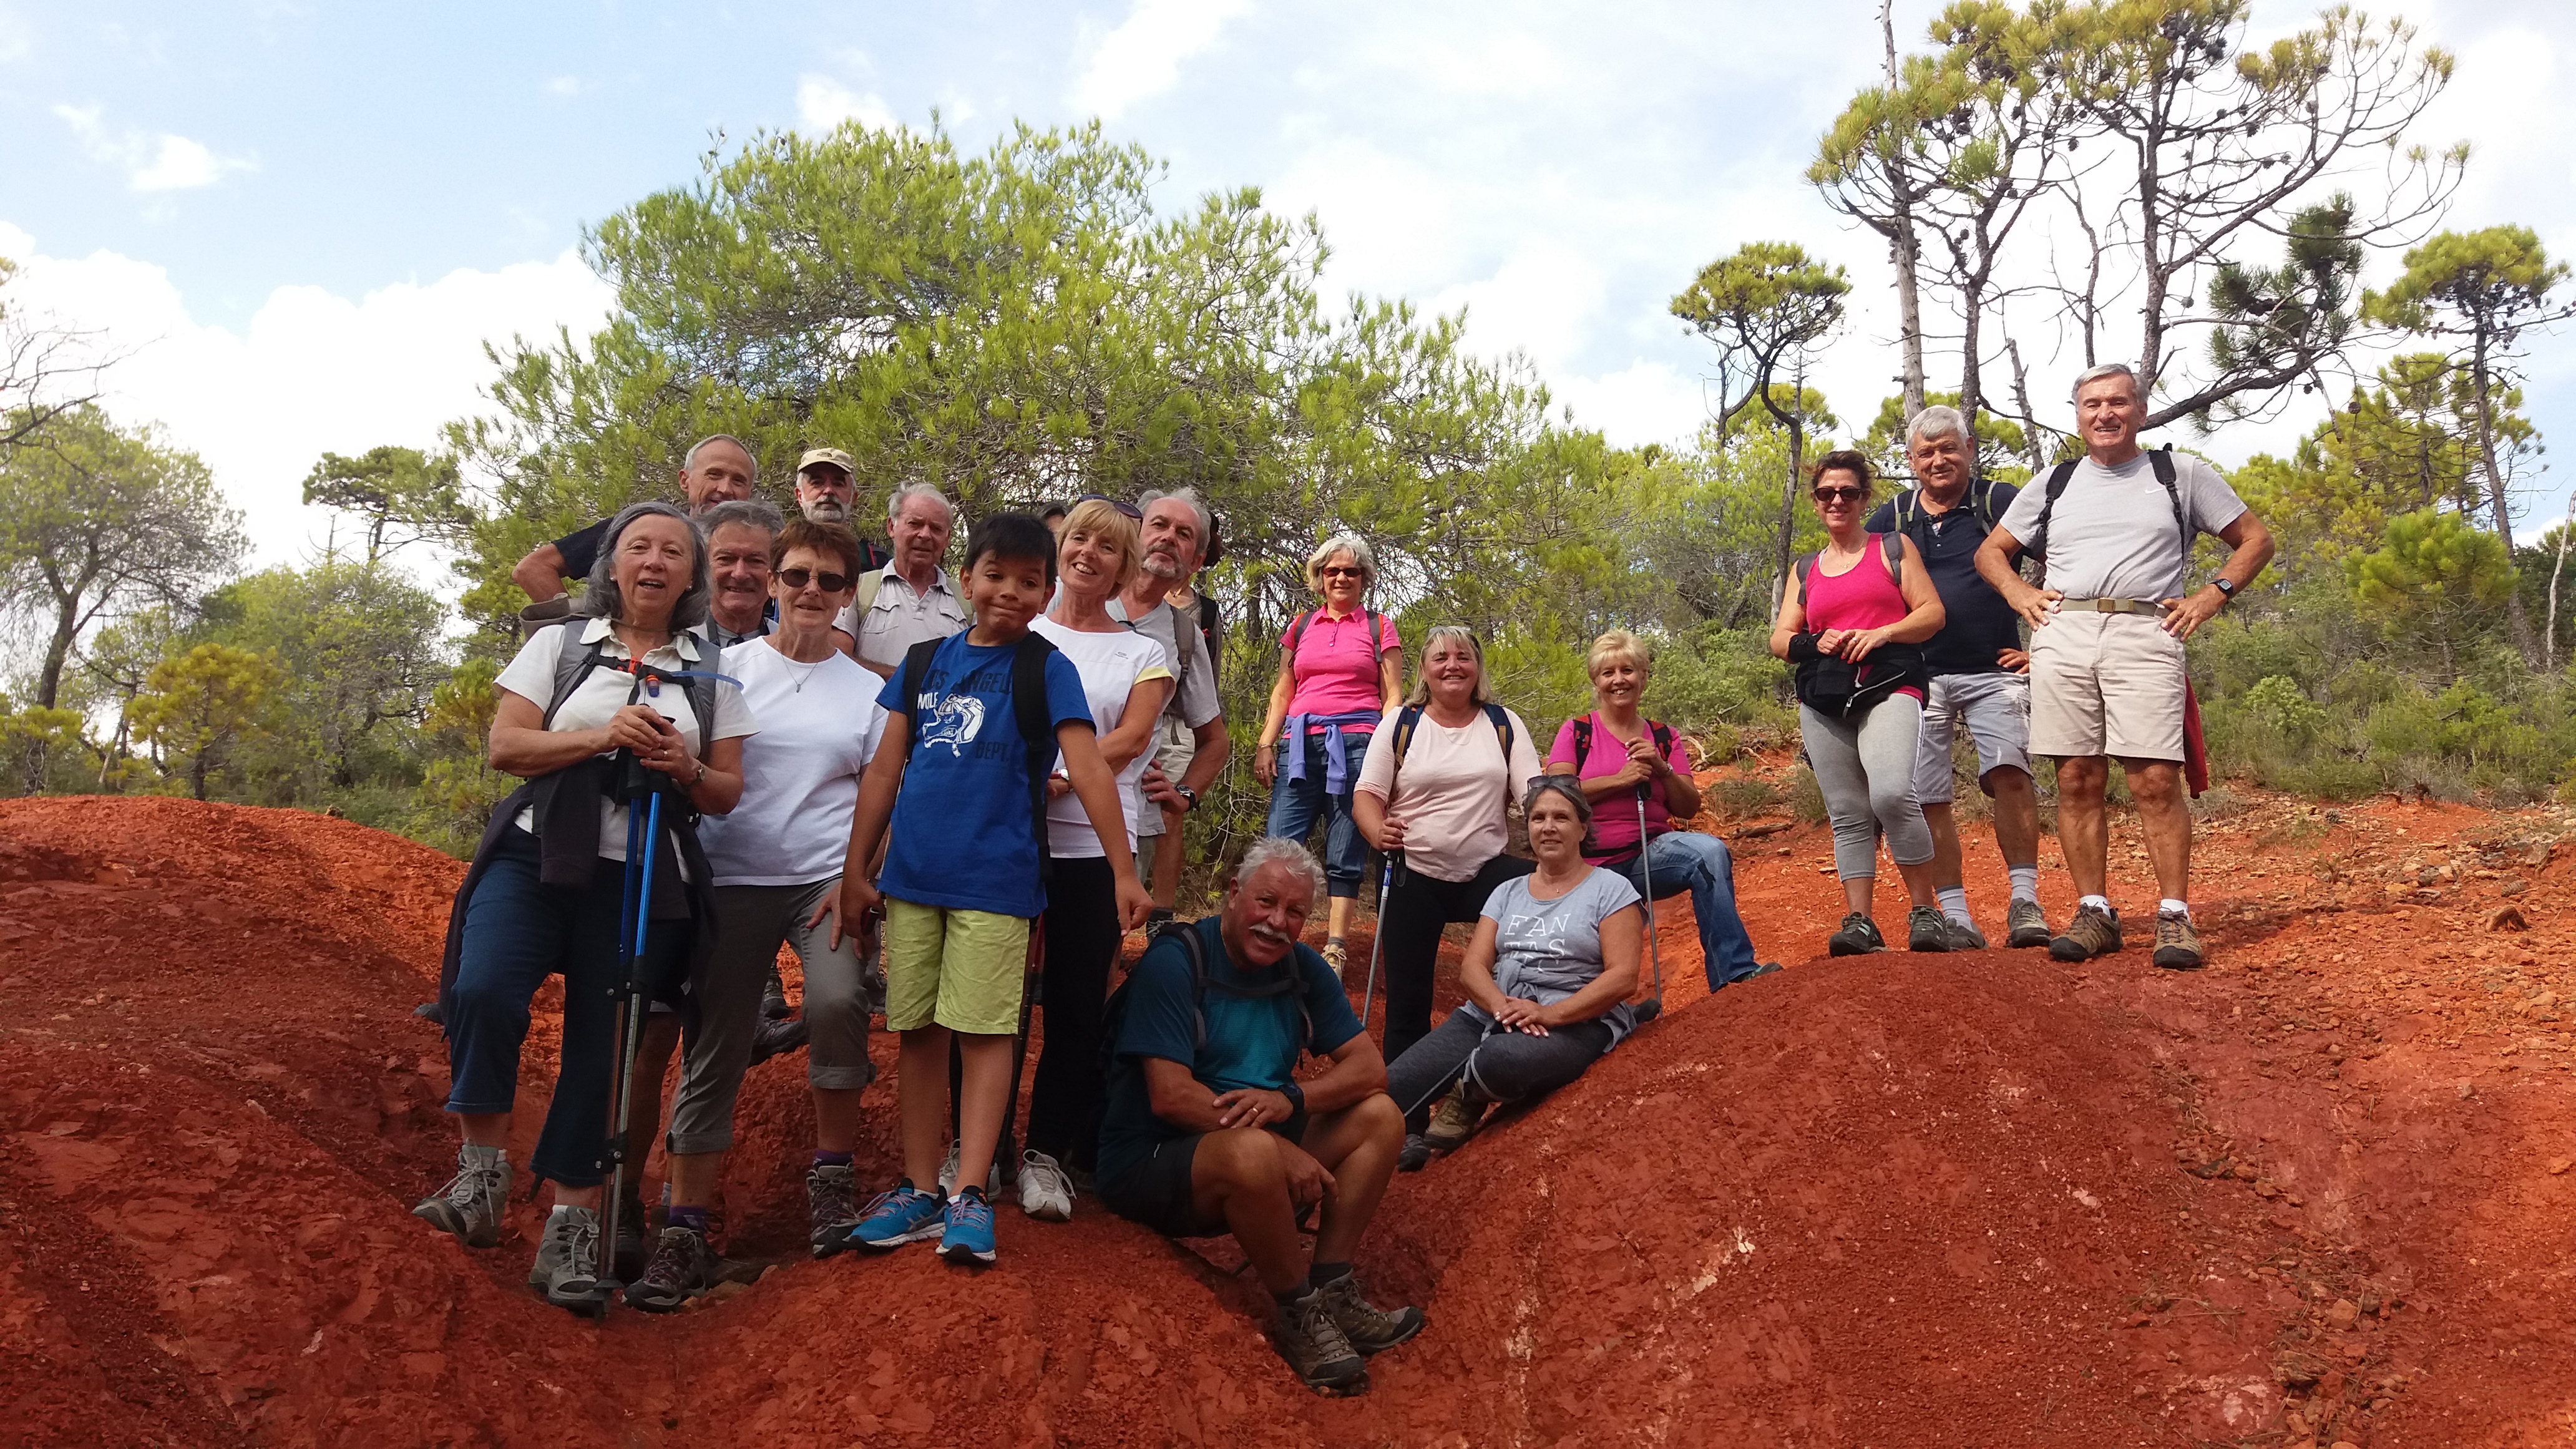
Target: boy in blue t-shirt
[(960, 882), (1208, 1131)]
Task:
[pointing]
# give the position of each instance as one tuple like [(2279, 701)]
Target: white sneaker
[(948, 1176), (1045, 1192)]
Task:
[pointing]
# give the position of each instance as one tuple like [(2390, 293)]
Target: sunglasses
[(1133, 513), (798, 578), (1342, 571), (1840, 495)]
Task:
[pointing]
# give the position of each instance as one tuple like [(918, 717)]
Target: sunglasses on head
[(1133, 513), (1840, 495), (799, 578)]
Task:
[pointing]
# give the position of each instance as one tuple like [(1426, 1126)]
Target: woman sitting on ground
[(1435, 798), (1849, 620), (1547, 978), (1637, 771), (546, 893)]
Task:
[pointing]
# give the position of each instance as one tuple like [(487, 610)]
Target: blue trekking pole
[(632, 991), (1377, 932)]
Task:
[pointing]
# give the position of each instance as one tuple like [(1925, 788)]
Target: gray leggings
[(1506, 1066), (1865, 768), (731, 968)]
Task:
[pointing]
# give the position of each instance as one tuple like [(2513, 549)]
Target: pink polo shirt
[(1336, 672)]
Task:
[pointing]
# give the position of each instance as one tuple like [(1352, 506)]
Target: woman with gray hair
[(1434, 798), (546, 892), (1341, 670)]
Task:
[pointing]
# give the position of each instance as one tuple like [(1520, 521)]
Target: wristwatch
[(2223, 586), (1189, 798), (1296, 1096)]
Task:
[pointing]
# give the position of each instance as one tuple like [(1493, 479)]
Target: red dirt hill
[(2321, 1189)]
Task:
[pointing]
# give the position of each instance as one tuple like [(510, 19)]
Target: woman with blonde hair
[(1436, 791), (1341, 670), (1637, 774)]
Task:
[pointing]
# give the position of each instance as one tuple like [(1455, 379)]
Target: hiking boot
[(773, 1037), (1369, 1329), (1316, 1348), (1454, 1120), (431, 1011), (1858, 937), (1415, 1154), (683, 1267), (470, 1205), (2177, 944), (1926, 929), (948, 1175), (905, 1215), (2093, 932), (1758, 968), (1337, 956), (967, 1235), (2025, 924), (831, 1206), (1045, 1192), (634, 1249), (1963, 935), (566, 1272), (773, 998)]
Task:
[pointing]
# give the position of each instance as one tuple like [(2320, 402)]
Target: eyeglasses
[(1342, 571), (1133, 513), (799, 578), (1840, 495)]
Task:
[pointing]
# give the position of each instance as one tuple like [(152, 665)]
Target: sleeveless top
[(1860, 597)]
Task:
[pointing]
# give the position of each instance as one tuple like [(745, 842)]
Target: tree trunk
[(1789, 500), (1909, 306), (2549, 634), (58, 652), (2518, 617)]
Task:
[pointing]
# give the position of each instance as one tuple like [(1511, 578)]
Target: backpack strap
[(1891, 548), (1582, 739), (1804, 563), (1406, 719), (1297, 636), (1377, 634), (2037, 544), (572, 665), (1663, 738), (870, 584), (916, 668), (1501, 720), (1194, 950), (1905, 510), (2161, 461), (1029, 708)]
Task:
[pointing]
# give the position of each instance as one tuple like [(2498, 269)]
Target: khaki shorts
[(2105, 684), (959, 969), (1175, 745)]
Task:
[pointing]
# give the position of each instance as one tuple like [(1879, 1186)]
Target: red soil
[(2318, 1191)]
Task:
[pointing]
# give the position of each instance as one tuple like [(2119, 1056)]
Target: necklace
[(809, 670)]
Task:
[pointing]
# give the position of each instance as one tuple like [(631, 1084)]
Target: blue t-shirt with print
[(1252, 1041), (961, 838)]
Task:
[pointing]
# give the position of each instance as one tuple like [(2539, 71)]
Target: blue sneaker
[(969, 1235), (905, 1215)]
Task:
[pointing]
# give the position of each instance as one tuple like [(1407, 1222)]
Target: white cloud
[(17, 37), (168, 163), (1542, 302), (1143, 56), (564, 85), (822, 104), (312, 372)]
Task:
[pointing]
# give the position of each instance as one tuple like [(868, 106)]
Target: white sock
[(2025, 881), (2171, 907), (1954, 904), (2099, 903)]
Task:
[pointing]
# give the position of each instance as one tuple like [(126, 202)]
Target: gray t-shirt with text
[(1546, 951), (2112, 533)]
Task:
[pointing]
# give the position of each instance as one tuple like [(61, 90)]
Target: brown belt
[(2112, 606)]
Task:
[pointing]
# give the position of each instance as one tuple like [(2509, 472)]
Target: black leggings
[(1082, 941), (1416, 908)]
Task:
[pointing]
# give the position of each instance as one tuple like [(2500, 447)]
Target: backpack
[(1833, 687), (2158, 459), (1028, 711), (573, 666), (1297, 633), (1410, 716), (1113, 1016), (1980, 500)]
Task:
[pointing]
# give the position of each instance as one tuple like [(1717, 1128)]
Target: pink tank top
[(1860, 597)]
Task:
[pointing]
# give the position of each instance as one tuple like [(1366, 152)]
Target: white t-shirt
[(602, 693), (1452, 791), (819, 724), (1111, 666), (2112, 534)]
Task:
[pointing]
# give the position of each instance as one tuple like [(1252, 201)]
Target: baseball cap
[(833, 456)]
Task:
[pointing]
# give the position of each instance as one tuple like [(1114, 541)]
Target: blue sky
[(296, 223)]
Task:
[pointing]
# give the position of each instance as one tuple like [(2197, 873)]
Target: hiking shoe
[(773, 1037), (1858, 937), (1316, 1348), (470, 1205), (1758, 968), (1454, 1120), (948, 1175), (773, 997), (683, 1267), (431, 1011), (1369, 1328), (905, 1215), (566, 1272), (1963, 936), (1045, 1192), (2093, 932), (1337, 956), (633, 1248), (2177, 944), (967, 1236), (1926, 929), (2025, 924), (831, 1207), (1415, 1155)]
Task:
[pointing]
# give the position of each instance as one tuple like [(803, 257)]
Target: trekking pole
[(1377, 932), (633, 993), (1032, 984), (1654, 1004)]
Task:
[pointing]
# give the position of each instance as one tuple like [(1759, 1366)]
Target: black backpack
[(1297, 632), (1028, 711), (2159, 459), (1291, 983), (1980, 500)]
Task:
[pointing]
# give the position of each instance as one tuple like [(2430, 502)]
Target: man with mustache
[(1208, 1131), (1190, 745), (826, 492)]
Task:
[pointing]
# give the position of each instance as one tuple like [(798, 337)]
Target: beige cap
[(833, 456)]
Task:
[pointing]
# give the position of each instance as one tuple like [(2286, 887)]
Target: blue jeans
[(1684, 860), (518, 932), (1295, 805)]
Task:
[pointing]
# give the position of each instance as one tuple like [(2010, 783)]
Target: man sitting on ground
[(1208, 1132)]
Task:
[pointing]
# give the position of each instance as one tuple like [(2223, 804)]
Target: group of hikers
[(946, 792)]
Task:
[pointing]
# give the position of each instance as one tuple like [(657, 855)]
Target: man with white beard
[(1190, 744), (826, 491)]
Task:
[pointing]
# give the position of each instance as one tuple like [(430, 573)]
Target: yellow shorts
[(959, 969)]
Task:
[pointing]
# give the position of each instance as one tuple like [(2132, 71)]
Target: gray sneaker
[(1369, 1328), (2025, 924), (1926, 929), (1964, 937), (470, 1205), (566, 1273), (1317, 1349), (683, 1267), (1858, 937), (831, 1207)]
